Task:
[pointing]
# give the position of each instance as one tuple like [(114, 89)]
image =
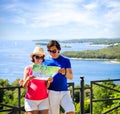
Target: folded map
[(44, 72)]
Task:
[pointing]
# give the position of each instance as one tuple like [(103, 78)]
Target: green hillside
[(111, 52)]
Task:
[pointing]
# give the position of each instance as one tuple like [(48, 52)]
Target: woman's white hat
[(37, 51)]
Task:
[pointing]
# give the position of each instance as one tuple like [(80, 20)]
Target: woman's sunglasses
[(39, 57), (52, 51)]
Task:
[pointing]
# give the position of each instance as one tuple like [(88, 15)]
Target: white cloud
[(91, 6), (93, 18)]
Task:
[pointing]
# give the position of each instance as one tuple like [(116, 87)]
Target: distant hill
[(94, 41), (91, 41), (111, 52)]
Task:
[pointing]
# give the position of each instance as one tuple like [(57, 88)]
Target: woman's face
[(38, 59), (54, 52)]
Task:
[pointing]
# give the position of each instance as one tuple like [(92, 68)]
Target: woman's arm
[(26, 79), (50, 80)]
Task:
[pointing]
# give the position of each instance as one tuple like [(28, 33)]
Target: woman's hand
[(25, 82), (21, 82), (50, 80), (30, 78)]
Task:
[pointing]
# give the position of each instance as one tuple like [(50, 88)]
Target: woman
[(36, 98)]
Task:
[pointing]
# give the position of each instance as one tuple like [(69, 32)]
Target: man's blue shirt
[(59, 81)]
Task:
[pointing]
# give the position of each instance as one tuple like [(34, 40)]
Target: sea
[(14, 56)]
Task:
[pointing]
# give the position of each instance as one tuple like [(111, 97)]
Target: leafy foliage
[(10, 97), (104, 93), (111, 52)]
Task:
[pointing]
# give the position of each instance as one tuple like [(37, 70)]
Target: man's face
[(54, 52)]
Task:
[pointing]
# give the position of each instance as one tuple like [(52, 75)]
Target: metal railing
[(102, 100), (13, 109), (19, 108)]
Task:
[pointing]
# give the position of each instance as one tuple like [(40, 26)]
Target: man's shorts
[(31, 105), (62, 98)]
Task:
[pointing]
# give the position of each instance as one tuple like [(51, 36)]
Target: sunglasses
[(52, 51), (39, 57)]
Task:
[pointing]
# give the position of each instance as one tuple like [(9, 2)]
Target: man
[(58, 90)]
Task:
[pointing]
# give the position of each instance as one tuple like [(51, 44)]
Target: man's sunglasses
[(39, 57), (52, 51)]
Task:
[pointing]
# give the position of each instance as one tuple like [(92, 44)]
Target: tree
[(100, 92)]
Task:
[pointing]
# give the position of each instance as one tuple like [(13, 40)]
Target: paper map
[(44, 72)]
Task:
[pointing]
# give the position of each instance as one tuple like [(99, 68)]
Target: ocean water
[(95, 70), (14, 56)]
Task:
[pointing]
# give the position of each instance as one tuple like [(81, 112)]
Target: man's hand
[(62, 71)]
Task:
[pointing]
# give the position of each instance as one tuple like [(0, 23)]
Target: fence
[(92, 100), (13, 109), (18, 109)]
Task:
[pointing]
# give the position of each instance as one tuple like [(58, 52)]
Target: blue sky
[(59, 19)]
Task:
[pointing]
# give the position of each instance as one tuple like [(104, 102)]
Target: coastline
[(92, 59), (114, 61)]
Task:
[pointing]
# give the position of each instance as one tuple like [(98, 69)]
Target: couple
[(47, 96)]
